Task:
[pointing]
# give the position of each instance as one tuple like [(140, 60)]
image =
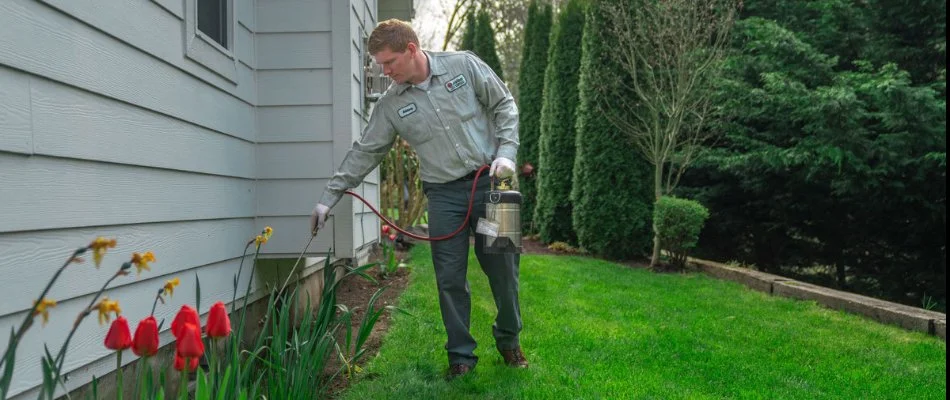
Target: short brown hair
[(394, 34)]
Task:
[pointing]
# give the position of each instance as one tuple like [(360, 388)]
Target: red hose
[(471, 198)]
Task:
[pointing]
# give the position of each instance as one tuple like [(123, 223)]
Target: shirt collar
[(436, 68)]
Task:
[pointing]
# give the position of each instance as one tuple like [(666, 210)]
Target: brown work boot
[(457, 370), (514, 358)]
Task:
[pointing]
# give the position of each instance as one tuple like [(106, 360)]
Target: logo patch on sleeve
[(407, 110), (456, 83)]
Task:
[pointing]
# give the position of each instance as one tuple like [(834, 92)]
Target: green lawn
[(597, 330)]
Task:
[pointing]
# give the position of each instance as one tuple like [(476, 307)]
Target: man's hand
[(318, 218), (502, 168)]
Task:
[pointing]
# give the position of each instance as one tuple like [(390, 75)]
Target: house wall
[(116, 121), (362, 17), (295, 156)]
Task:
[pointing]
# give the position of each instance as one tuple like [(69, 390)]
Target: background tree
[(485, 42), (878, 31), (826, 174), (670, 52), (553, 213), (461, 10), (468, 35), (611, 190), (534, 62)]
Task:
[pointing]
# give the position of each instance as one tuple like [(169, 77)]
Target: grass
[(597, 330)]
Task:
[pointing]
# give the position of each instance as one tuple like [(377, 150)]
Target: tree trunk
[(657, 192), (842, 276)]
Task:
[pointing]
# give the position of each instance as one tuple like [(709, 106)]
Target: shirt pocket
[(415, 128)]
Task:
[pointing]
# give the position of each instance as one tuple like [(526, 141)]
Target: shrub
[(552, 215), (612, 187), (534, 60), (678, 223)]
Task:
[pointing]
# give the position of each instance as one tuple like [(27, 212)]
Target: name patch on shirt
[(456, 83), (407, 110)]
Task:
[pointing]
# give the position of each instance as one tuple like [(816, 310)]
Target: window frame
[(204, 50)]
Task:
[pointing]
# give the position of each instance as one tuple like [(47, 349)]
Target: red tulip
[(385, 229), (119, 336), (189, 343), (392, 237), (145, 342), (187, 315), (219, 325), (180, 363)]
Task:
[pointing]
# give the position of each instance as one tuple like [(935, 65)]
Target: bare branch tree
[(669, 51), (460, 12)]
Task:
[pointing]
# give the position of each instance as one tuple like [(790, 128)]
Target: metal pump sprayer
[(502, 226)]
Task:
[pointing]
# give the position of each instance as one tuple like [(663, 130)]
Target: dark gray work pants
[(448, 204)]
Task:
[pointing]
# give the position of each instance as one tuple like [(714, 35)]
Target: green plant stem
[(294, 269), (183, 382), (247, 291), (28, 319), (140, 372), (61, 356), (155, 302), (120, 388), (238, 278)]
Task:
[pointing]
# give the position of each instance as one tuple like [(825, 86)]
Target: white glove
[(502, 168), (318, 218)]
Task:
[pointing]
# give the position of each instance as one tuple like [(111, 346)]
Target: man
[(458, 116)]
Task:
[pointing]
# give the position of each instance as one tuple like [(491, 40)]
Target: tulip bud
[(219, 325), (186, 315), (119, 336), (180, 363), (145, 342), (189, 343)]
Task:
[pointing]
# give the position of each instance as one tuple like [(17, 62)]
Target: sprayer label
[(407, 110), (487, 227), (456, 83)]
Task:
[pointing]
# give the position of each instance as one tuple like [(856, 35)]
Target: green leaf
[(197, 293), (225, 383), (202, 391), (8, 366)]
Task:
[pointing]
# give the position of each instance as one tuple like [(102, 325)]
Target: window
[(213, 20), (209, 36)]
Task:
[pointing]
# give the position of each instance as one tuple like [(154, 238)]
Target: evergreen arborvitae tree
[(485, 43), (556, 151), (534, 60), (612, 189), (468, 35)]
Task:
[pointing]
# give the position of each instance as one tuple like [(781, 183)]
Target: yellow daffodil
[(170, 286), (141, 261), (106, 306), (42, 308), (264, 236), (99, 248)]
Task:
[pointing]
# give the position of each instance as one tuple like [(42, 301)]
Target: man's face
[(398, 66)]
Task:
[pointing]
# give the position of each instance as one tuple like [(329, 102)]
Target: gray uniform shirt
[(464, 119)]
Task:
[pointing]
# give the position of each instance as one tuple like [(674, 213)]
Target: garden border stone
[(912, 318)]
